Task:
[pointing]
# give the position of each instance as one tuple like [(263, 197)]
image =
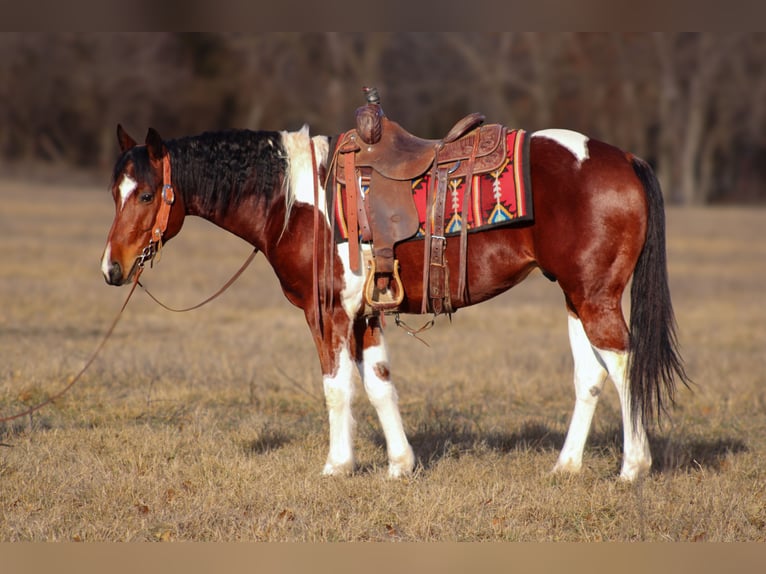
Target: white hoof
[(567, 467), (403, 465), (338, 469), (633, 471)]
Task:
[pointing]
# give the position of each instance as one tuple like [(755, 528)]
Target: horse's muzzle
[(114, 274)]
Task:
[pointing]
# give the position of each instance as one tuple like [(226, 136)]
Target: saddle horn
[(369, 116)]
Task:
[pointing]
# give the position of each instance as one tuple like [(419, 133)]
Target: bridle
[(153, 251), (154, 248)]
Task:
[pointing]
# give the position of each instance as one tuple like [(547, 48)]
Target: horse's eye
[(146, 197)]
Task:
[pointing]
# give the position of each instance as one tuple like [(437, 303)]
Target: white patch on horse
[(127, 186), (300, 189), (575, 142), (353, 283), (300, 175)]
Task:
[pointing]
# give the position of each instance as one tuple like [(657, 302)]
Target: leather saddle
[(387, 156), (399, 155)]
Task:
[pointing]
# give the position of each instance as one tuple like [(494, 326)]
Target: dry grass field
[(211, 426)]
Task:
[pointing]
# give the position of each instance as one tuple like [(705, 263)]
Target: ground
[(211, 425)]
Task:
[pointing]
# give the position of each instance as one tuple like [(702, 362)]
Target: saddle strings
[(412, 332)]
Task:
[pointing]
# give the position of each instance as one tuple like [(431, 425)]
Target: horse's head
[(147, 210)]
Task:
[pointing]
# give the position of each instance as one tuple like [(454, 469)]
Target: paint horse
[(598, 221)]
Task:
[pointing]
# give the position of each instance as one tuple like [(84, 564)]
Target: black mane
[(219, 169)]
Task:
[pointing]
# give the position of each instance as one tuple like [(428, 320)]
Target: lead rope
[(215, 295), (88, 363), (136, 283)]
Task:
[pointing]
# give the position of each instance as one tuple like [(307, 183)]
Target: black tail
[(655, 361)]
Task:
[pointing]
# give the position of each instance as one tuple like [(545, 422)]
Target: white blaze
[(106, 260), (127, 186)]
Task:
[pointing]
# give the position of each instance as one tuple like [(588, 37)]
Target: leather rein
[(152, 250)]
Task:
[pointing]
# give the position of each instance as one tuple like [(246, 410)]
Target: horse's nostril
[(115, 273)]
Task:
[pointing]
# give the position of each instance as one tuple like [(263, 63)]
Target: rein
[(215, 295), (315, 258), (149, 253), (117, 318), (154, 249)]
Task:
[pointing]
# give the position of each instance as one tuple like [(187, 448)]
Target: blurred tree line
[(693, 104)]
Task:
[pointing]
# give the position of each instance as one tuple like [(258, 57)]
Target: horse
[(598, 222)]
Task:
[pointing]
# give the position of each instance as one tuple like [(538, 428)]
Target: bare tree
[(694, 104), (691, 71), (488, 59), (355, 62), (127, 78), (64, 93)]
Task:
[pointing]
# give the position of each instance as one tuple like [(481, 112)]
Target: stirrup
[(387, 300)]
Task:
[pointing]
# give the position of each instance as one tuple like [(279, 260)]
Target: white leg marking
[(338, 392), (637, 459), (375, 373), (127, 186), (575, 142), (589, 377)]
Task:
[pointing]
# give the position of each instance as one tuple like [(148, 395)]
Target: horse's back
[(568, 166), (588, 230)]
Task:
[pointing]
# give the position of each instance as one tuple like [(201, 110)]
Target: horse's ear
[(126, 142), (155, 145)]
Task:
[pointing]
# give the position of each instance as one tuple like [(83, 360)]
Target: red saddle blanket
[(501, 197)]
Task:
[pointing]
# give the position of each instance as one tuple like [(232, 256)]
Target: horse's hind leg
[(589, 376), (603, 332), (375, 371), (636, 458)]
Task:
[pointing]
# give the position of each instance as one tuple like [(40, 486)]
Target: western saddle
[(384, 154)]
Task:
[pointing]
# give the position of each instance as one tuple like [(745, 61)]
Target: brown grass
[(211, 425)]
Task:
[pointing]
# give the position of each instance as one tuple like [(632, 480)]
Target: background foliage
[(694, 104)]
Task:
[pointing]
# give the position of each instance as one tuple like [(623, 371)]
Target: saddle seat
[(391, 158), (401, 155)]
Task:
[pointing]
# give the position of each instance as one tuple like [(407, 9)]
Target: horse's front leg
[(375, 371), (337, 372)]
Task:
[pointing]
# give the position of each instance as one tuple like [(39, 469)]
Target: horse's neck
[(241, 200), (252, 218)]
